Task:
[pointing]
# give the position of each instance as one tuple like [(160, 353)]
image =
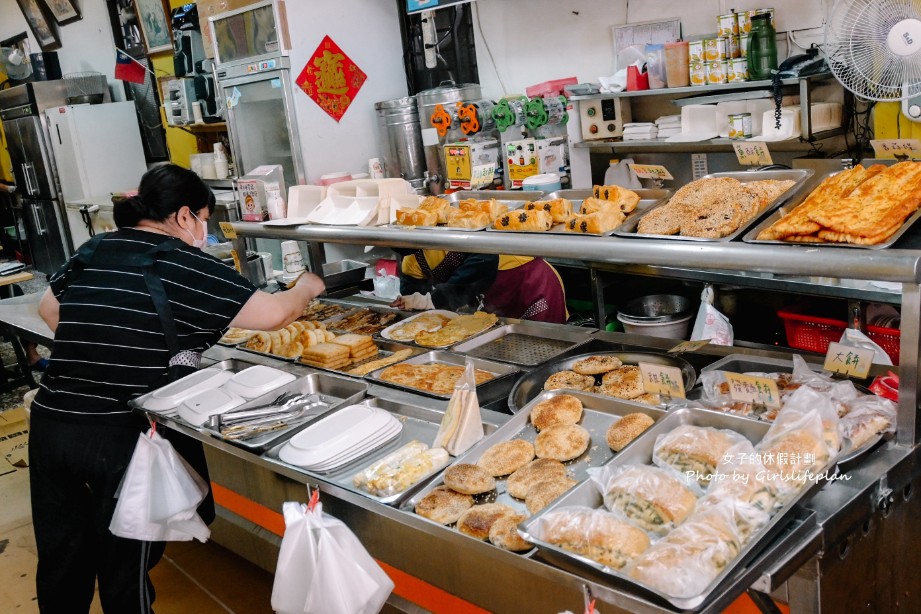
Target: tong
[(243, 423)]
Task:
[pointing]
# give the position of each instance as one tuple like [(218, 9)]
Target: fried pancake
[(504, 533), (556, 411), (569, 379), (468, 479), (706, 191), (478, 520), (713, 220), (519, 483), (562, 443), (596, 365), (626, 430), (625, 382), (374, 365), (444, 505), (544, 493), (664, 220), (237, 335), (457, 330), (506, 456)]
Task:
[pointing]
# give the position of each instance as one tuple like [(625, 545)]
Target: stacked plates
[(340, 438), (167, 399)]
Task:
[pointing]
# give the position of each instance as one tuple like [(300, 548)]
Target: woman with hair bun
[(129, 310)]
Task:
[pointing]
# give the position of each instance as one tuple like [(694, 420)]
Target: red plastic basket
[(809, 332), (888, 338)]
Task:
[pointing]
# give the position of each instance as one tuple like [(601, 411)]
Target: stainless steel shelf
[(699, 89), (713, 145)]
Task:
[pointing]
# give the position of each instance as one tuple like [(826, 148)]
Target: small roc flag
[(129, 69)]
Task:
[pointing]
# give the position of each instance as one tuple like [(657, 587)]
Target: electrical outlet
[(698, 165)]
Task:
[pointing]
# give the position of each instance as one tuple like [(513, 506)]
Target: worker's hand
[(313, 284), (414, 302), (7, 188)]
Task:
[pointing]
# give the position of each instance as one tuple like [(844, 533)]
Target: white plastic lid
[(173, 394), (542, 179), (257, 380), (329, 438), (196, 409)]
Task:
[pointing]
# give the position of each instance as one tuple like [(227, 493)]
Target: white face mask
[(199, 243)]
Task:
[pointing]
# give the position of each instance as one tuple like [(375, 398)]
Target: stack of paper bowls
[(340, 438)]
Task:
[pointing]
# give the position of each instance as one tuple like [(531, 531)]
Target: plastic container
[(669, 329), (810, 332), (198, 408), (677, 60), (258, 380), (331, 178), (887, 338), (545, 182)]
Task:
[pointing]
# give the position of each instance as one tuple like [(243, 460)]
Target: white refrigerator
[(97, 150)]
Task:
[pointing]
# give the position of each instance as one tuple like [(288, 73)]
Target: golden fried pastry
[(504, 533), (535, 220), (491, 207), (596, 365), (444, 505), (539, 470), (562, 443), (599, 222), (569, 379), (468, 219), (468, 479), (626, 430), (439, 206), (560, 209), (478, 520), (555, 411), (626, 200), (505, 457), (625, 382)]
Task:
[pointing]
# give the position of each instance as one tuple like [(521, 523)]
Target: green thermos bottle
[(762, 48)]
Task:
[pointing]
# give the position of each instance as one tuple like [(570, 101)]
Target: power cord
[(476, 10)]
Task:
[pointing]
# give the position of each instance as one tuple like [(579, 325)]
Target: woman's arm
[(50, 310), (264, 311)]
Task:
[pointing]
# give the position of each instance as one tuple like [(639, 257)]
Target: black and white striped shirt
[(109, 345)]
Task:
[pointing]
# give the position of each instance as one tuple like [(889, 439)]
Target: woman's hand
[(415, 302)]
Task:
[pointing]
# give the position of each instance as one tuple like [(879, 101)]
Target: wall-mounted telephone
[(808, 63)]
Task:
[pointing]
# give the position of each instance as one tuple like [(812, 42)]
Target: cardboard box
[(14, 440)]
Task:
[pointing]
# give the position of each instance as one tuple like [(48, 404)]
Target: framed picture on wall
[(153, 19), (35, 13), (64, 11)]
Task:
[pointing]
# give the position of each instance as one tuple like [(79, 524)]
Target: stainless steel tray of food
[(532, 383), (145, 402), (242, 347), (419, 424), (320, 393), (442, 227), (391, 333), (321, 310), (487, 392), (524, 344), (386, 349), (799, 176), (344, 273), (513, 199), (599, 413), (649, 198), (640, 452), (752, 235), (367, 320), (388, 332)]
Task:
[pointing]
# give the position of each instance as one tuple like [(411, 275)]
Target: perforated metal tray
[(524, 344)]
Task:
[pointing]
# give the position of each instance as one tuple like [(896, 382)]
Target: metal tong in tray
[(287, 408)]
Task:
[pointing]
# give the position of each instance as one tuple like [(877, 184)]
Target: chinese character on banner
[(331, 78)]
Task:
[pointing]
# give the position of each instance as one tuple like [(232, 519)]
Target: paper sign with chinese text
[(849, 360), (750, 389), (689, 346), (752, 153), (661, 379), (482, 176), (227, 229), (891, 148), (651, 171), (331, 79)]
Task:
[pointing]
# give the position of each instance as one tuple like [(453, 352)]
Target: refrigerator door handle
[(33, 178), (25, 175), (40, 222)]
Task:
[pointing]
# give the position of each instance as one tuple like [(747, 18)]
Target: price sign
[(892, 148), (689, 346), (236, 261), (849, 360), (661, 379), (752, 153), (482, 176), (650, 171), (750, 389), (227, 229)]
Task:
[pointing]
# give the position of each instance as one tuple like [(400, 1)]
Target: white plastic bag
[(323, 568), (710, 323), (857, 339), (159, 495)]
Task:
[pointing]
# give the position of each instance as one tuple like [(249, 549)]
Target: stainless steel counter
[(20, 313)]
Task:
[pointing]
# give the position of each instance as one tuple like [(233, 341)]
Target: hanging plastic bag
[(710, 323), (857, 339), (323, 568), (159, 495), (461, 426)]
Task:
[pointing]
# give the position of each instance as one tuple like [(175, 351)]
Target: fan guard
[(873, 47)]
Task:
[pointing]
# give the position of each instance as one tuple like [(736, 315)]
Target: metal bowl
[(656, 308)]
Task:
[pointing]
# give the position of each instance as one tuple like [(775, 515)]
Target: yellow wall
[(890, 123)]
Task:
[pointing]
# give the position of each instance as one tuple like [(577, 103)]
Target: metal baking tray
[(345, 306), (640, 452), (385, 334), (512, 200), (523, 344), (628, 229), (385, 349), (599, 413), (242, 347), (649, 198), (532, 383), (419, 423), (231, 364), (743, 363), (445, 346), (343, 273), (486, 392), (333, 392), (331, 322), (752, 235)]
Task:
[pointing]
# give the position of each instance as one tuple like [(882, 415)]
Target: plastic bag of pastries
[(596, 534), (651, 498), (683, 563), (742, 477), (694, 451), (868, 416)]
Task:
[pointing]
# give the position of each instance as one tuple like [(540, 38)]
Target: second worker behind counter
[(510, 286)]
